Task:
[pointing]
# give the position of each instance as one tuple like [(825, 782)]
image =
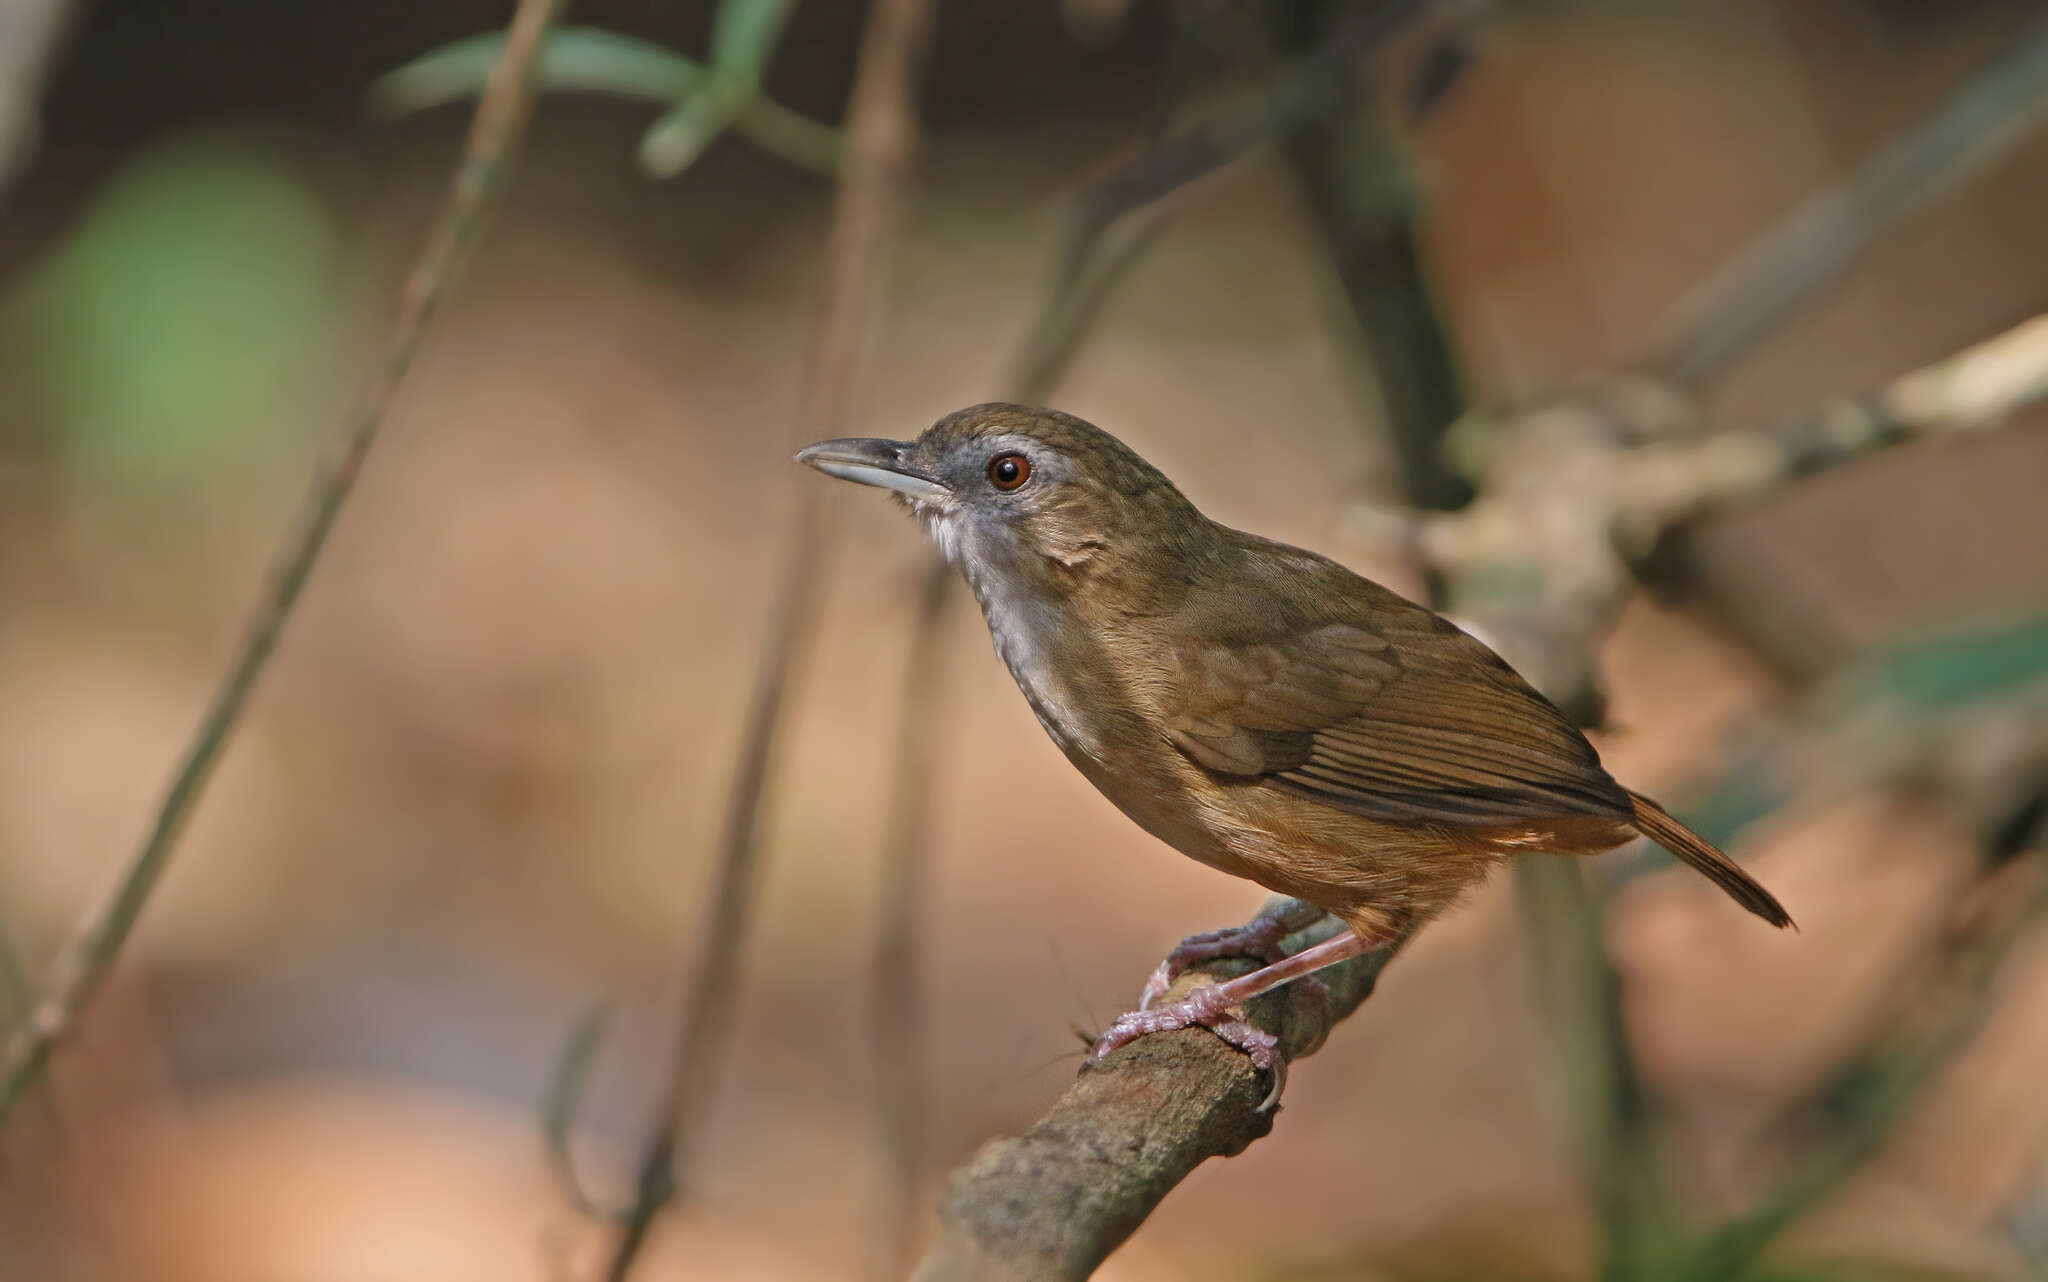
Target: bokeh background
[(480, 784)]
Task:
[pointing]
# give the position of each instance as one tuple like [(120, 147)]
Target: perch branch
[(494, 134), (882, 135), (1051, 1204)]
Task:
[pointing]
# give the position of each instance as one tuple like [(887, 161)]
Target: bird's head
[(1009, 491)]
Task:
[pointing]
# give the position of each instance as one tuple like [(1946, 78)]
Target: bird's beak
[(873, 462)]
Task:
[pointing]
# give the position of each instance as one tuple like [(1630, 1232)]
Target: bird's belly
[(1379, 877)]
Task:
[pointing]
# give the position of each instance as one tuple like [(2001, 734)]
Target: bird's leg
[(1258, 939), (1210, 1006)]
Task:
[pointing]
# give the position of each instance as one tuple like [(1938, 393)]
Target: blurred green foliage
[(186, 312), (1878, 721), (1959, 667)]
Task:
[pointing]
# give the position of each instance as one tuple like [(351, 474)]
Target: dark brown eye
[(1008, 471)]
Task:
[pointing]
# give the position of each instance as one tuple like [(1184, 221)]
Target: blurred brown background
[(480, 782)]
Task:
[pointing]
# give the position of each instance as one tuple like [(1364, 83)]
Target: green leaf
[(745, 34), (575, 59), (1964, 667), (589, 60), (564, 1095)]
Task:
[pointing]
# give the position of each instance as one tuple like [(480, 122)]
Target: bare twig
[(1092, 265), (1307, 90), (1052, 1203), (500, 122), (31, 31), (1971, 129), (1365, 208), (1583, 1014), (881, 139), (906, 843), (564, 1093), (1576, 494)]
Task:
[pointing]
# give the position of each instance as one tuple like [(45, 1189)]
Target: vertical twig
[(881, 140), (1609, 1102), (1356, 180), (31, 32), (906, 845), (500, 121)]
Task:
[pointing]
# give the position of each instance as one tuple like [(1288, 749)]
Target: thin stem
[(882, 133), (1363, 199), (500, 122), (31, 33), (1969, 130), (906, 842), (1609, 1101)]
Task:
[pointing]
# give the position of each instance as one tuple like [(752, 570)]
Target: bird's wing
[(1402, 720)]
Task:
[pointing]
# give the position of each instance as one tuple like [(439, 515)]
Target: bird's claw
[(1200, 1011)]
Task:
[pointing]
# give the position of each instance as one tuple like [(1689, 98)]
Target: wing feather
[(1411, 722)]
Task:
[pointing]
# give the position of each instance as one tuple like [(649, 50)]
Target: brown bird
[(1257, 707)]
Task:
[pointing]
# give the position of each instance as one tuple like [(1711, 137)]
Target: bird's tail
[(1656, 823)]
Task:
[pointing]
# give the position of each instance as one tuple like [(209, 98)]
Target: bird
[(1256, 706)]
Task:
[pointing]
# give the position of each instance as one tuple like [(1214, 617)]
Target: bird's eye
[(1008, 471)]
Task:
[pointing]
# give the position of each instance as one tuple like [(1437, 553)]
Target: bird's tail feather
[(1656, 823)]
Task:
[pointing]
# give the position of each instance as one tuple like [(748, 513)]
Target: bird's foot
[(1259, 939), (1203, 1008)]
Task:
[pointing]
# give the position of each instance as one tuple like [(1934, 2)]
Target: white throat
[(1027, 635)]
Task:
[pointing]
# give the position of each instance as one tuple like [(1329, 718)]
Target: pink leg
[(1258, 939), (1209, 1007)]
